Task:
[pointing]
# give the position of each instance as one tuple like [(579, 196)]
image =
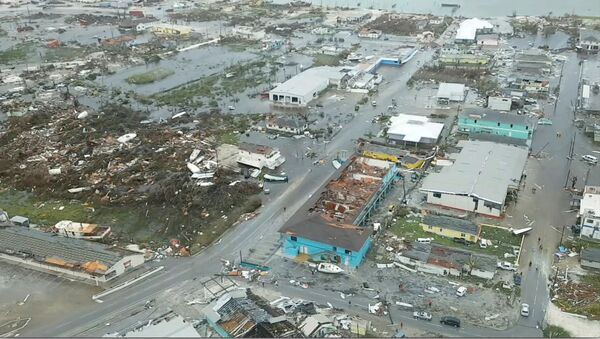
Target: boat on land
[(330, 268)]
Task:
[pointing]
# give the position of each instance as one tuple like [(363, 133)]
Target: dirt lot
[(48, 297)]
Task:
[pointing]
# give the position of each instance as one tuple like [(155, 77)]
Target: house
[(451, 92), (75, 258), (370, 33), (413, 130), (487, 121), (306, 86), (468, 30), (324, 238), (333, 226), (285, 124), (590, 96), (451, 227), (70, 229), (589, 41), (317, 326), (590, 258), (480, 178), (463, 60), (499, 103), (589, 212), (241, 313), (483, 266), (531, 85), (487, 41), (533, 62), (167, 325), (259, 156)]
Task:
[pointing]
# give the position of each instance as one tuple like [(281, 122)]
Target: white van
[(590, 159), (461, 291), (424, 240)]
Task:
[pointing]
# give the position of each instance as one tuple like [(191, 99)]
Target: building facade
[(492, 122), (259, 156), (451, 227)]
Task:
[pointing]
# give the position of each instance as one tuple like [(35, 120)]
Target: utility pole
[(560, 244), (571, 149)]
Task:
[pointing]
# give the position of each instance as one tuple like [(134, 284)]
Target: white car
[(422, 315), (461, 291), (505, 265), (525, 310), (590, 159)]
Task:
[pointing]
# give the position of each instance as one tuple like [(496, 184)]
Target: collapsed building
[(333, 227)]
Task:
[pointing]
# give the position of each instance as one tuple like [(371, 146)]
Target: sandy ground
[(49, 296), (578, 327)]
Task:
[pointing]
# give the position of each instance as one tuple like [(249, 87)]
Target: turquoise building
[(486, 121)]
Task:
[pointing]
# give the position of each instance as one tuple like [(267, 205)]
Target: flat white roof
[(590, 201), (414, 127), (452, 91), (468, 28), (482, 169), (309, 81)]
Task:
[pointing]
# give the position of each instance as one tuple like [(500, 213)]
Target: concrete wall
[(127, 263), (445, 232), (52, 269), (465, 203), (301, 245)]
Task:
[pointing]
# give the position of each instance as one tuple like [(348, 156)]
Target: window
[(293, 238), (430, 227), (498, 124), (437, 195), (511, 125), (526, 127), (347, 251), (475, 121)]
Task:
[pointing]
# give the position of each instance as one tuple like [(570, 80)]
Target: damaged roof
[(483, 169), (484, 114), (589, 35), (456, 224), (291, 122), (44, 247), (327, 231), (254, 148)]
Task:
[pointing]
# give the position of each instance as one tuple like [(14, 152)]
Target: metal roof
[(589, 35), (468, 28), (456, 224), (309, 81), (495, 116), (590, 254), (42, 246), (482, 169), (452, 91), (319, 229)]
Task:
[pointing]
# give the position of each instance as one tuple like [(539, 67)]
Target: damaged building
[(259, 156), (306, 86), (241, 313), (335, 227)]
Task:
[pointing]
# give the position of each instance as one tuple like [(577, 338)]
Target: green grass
[(186, 94), (326, 60), (150, 76), (19, 52), (62, 54), (554, 331), (229, 138), (502, 240)]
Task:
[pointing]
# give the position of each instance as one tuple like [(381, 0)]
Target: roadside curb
[(119, 287)]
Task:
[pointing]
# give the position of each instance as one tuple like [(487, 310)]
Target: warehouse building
[(75, 258), (451, 92), (479, 179), (413, 130), (469, 29), (306, 86)]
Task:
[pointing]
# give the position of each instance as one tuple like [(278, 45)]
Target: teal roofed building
[(486, 121)]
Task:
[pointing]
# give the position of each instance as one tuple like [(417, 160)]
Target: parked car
[(461, 291), (590, 159), (525, 310), (422, 315), (450, 321), (460, 241), (505, 265)]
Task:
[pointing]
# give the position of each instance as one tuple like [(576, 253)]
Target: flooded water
[(471, 8)]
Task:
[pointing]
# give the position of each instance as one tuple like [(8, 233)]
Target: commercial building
[(590, 87), (75, 258), (533, 62), (479, 179), (499, 103), (487, 121), (531, 86), (334, 226), (259, 156), (451, 92), (451, 227), (306, 86), (241, 313), (589, 212), (590, 258), (468, 30), (285, 124), (589, 41), (413, 130), (487, 41)]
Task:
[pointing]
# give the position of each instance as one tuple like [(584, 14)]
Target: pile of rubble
[(572, 296)]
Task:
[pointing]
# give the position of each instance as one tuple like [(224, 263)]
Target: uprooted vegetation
[(143, 181), (474, 78), (389, 24)]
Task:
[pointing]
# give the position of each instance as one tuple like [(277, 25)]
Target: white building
[(417, 130), (499, 103), (370, 33), (589, 212), (451, 92), (488, 40), (289, 125), (479, 179), (70, 229), (75, 258), (589, 41), (468, 30), (306, 86), (259, 156)]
